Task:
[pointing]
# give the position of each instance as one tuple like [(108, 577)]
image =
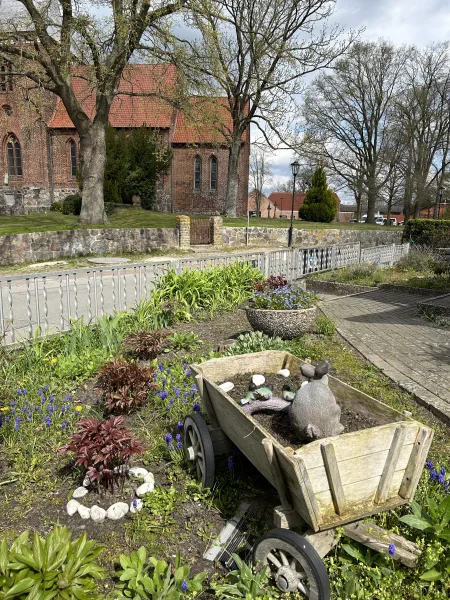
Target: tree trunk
[(93, 154), (371, 200), (233, 177)]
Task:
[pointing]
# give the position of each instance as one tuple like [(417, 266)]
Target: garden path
[(385, 328)]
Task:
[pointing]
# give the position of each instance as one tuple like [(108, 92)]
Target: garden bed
[(335, 288)]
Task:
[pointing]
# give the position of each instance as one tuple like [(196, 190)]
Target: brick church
[(40, 147)]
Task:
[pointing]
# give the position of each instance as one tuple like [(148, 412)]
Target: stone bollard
[(216, 231), (184, 229)]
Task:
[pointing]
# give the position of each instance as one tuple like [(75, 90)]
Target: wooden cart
[(327, 483)]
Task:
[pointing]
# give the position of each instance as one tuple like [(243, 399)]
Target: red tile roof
[(204, 121), (128, 111), (299, 198)]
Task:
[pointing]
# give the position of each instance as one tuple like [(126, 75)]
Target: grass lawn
[(54, 221)]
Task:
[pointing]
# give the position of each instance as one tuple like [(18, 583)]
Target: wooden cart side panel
[(358, 443), (243, 430), (219, 369)]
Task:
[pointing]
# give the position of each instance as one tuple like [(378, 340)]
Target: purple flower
[(179, 445), (443, 471), (40, 392), (164, 381), (46, 388), (179, 425), (36, 408), (440, 478), (163, 394), (16, 426), (197, 407), (12, 403), (171, 401), (177, 392), (6, 419), (19, 392), (25, 391), (184, 585), (391, 549), (230, 464), (154, 415), (178, 437), (134, 503), (188, 373), (70, 397), (52, 398), (48, 422), (63, 425), (194, 388), (155, 376), (433, 475), (168, 439), (160, 367)]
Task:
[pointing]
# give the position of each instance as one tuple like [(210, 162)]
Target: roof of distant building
[(286, 197)]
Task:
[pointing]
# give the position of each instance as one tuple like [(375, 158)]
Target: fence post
[(184, 231), (216, 224), (266, 264)]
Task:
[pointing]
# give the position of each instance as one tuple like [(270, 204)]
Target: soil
[(353, 418)]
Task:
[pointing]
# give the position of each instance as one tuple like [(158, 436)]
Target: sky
[(419, 22)]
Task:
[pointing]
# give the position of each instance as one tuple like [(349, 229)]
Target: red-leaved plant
[(146, 344), (124, 385), (271, 283), (104, 449)]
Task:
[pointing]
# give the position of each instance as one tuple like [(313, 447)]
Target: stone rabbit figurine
[(314, 412)]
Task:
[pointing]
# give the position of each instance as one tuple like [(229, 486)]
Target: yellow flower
[(46, 359), (4, 409), (78, 408), (54, 360)]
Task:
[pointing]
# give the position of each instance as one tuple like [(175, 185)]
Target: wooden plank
[(358, 443), (310, 498), (390, 465), (322, 541), (334, 477), (277, 475), (416, 462), (379, 539), (221, 444), (206, 400), (286, 519), (356, 469)]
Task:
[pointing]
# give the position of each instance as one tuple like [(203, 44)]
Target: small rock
[(84, 511), (86, 481), (321, 369), (264, 393), (288, 395), (117, 511), (227, 386), (258, 380), (284, 372), (80, 492), (138, 472), (244, 401), (136, 505), (145, 488), (150, 478), (308, 371), (98, 514), (407, 413), (72, 507)]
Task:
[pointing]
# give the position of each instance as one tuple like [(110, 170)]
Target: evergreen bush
[(434, 233), (320, 204), (72, 205)]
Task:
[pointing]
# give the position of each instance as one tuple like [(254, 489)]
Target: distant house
[(282, 203), (266, 208)]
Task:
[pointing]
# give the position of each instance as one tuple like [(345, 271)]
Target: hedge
[(428, 232)]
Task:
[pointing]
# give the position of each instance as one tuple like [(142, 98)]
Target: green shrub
[(320, 204), (434, 233), (110, 208), (325, 325), (416, 260), (56, 207), (53, 567), (244, 582), (255, 341), (72, 205)]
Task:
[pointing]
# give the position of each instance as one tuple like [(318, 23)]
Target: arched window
[(73, 158), (6, 76), (197, 174), (213, 174), (14, 157)]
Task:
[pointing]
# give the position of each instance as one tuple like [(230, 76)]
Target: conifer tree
[(320, 204)]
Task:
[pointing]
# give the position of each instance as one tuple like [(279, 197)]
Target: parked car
[(379, 220)]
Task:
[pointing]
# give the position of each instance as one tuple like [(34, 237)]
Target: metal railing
[(48, 302)]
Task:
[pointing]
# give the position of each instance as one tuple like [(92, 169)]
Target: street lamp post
[(295, 168), (437, 206), (281, 211)]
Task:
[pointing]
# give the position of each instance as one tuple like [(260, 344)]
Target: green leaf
[(19, 588), (142, 554), (128, 574), (4, 555), (354, 552), (416, 522), (431, 575)]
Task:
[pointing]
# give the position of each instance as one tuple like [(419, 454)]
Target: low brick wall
[(51, 245), (271, 236)]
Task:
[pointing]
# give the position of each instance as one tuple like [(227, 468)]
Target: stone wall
[(51, 245), (271, 236)]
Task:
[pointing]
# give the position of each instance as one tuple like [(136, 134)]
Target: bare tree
[(54, 49), (260, 175), (256, 54), (347, 115)]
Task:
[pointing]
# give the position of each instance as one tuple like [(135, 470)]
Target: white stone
[(258, 380), (304, 383), (72, 507), (117, 511), (84, 511), (138, 472), (407, 413), (145, 488), (80, 492), (98, 514), (284, 372), (244, 401), (139, 505), (150, 478), (227, 386), (86, 481)]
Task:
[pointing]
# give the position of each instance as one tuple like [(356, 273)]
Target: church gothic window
[(14, 157)]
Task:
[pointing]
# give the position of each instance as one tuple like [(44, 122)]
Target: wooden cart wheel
[(198, 448), (293, 563)]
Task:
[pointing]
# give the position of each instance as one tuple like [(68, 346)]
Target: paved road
[(384, 327)]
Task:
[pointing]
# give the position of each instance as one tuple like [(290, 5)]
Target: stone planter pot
[(286, 324)]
